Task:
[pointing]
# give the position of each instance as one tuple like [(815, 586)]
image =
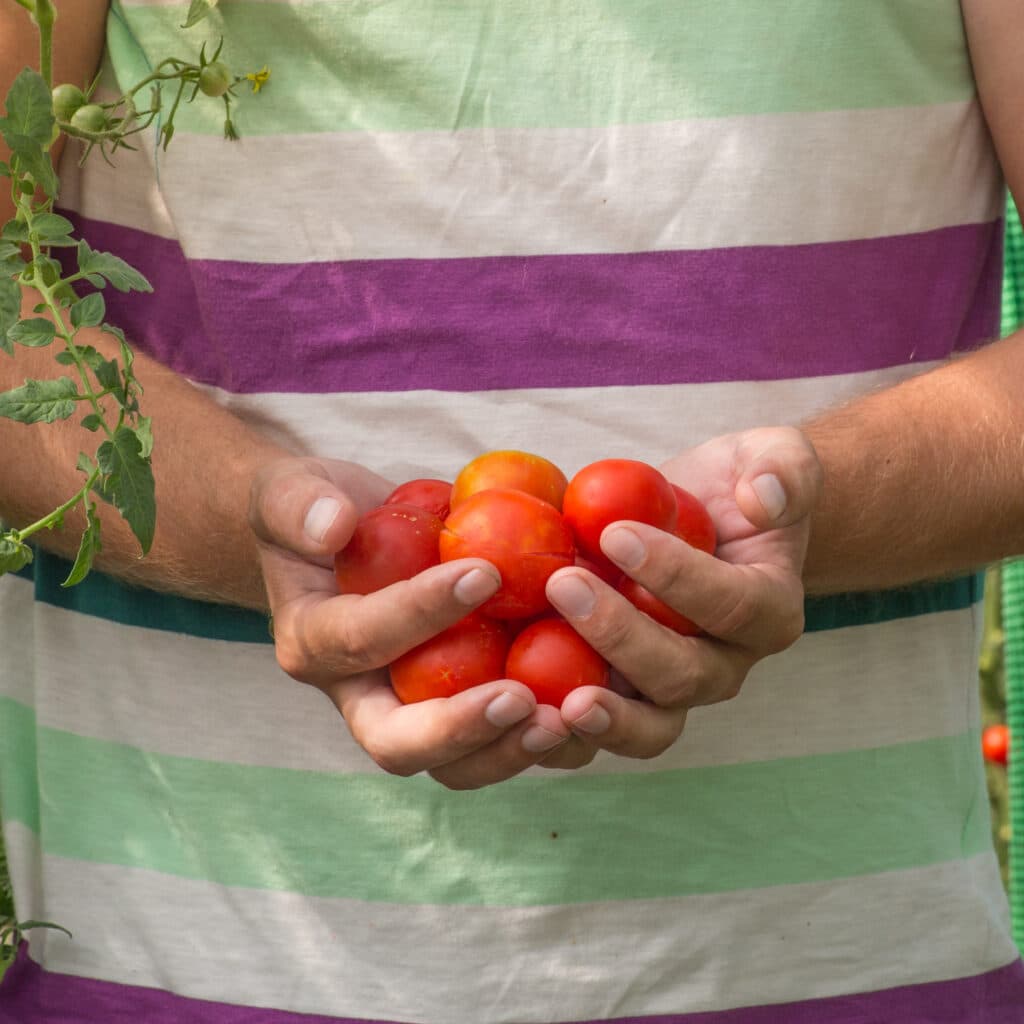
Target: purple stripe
[(30, 995), (754, 313)]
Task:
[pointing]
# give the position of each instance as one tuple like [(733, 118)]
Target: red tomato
[(432, 495), (611, 574), (693, 522), (467, 654), (995, 744), (552, 659), (653, 606), (614, 489), (523, 537), (390, 543), (510, 470)]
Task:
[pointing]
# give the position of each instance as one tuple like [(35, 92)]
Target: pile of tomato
[(520, 513)]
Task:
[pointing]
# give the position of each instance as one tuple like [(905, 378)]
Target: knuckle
[(357, 651), (734, 613), (609, 632), (387, 760)]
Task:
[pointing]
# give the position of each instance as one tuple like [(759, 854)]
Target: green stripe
[(411, 65), (19, 795), (562, 838), (106, 598)]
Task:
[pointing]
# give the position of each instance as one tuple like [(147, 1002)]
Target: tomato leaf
[(40, 401), (49, 226), (30, 158), (88, 312), (198, 10), (10, 311), (29, 109), (128, 483), (123, 277), (14, 555), (34, 333), (88, 548)]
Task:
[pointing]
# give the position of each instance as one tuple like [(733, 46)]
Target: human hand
[(760, 487), (303, 511)]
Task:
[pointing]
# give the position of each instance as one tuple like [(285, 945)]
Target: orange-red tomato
[(523, 537), (995, 744), (390, 543), (432, 495), (642, 598), (510, 470), (693, 522), (613, 489), (552, 659), (467, 654)]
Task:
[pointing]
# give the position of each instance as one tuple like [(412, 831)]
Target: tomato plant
[(215, 79), (390, 543), (467, 654), (552, 659), (523, 537), (433, 495), (613, 489), (510, 470), (90, 117), (995, 744), (67, 98)]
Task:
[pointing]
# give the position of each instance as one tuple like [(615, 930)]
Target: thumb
[(294, 505), (779, 477)]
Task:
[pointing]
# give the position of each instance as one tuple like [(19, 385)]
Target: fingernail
[(321, 514), (507, 709), (771, 495), (475, 586), (624, 547), (594, 722), (572, 596), (537, 739)]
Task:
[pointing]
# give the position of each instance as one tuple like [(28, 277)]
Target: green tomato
[(90, 118), (215, 79), (67, 98)]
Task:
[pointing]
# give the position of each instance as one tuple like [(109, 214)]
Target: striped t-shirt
[(587, 230)]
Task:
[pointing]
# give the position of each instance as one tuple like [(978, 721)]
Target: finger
[(629, 728), (576, 752), (759, 607), (320, 638), (310, 507), (671, 670), (779, 476), (522, 747), (477, 737)]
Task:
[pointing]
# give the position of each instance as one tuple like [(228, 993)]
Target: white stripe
[(848, 689), (701, 184), (461, 965), (572, 426)]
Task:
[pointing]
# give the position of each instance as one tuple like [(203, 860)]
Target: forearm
[(922, 480), (203, 461)]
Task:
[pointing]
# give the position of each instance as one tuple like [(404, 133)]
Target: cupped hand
[(760, 487), (303, 511)]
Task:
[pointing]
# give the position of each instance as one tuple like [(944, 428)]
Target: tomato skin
[(432, 495), (640, 597), (510, 470), (693, 522), (613, 489), (390, 543), (552, 659), (995, 744), (67, 98), (467, 654), (215, 79), (90, 117), (523, 537)]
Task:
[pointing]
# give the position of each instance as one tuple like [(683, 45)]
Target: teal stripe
[(411, 65), (106, 598), (527, 842)]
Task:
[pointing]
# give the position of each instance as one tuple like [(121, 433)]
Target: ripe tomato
[(552, 659), (390, 543), (693, 522), (433, 495), (510, 470), (523, 537), (995, 744), (467, 654), (642, 598), (614, 489)]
